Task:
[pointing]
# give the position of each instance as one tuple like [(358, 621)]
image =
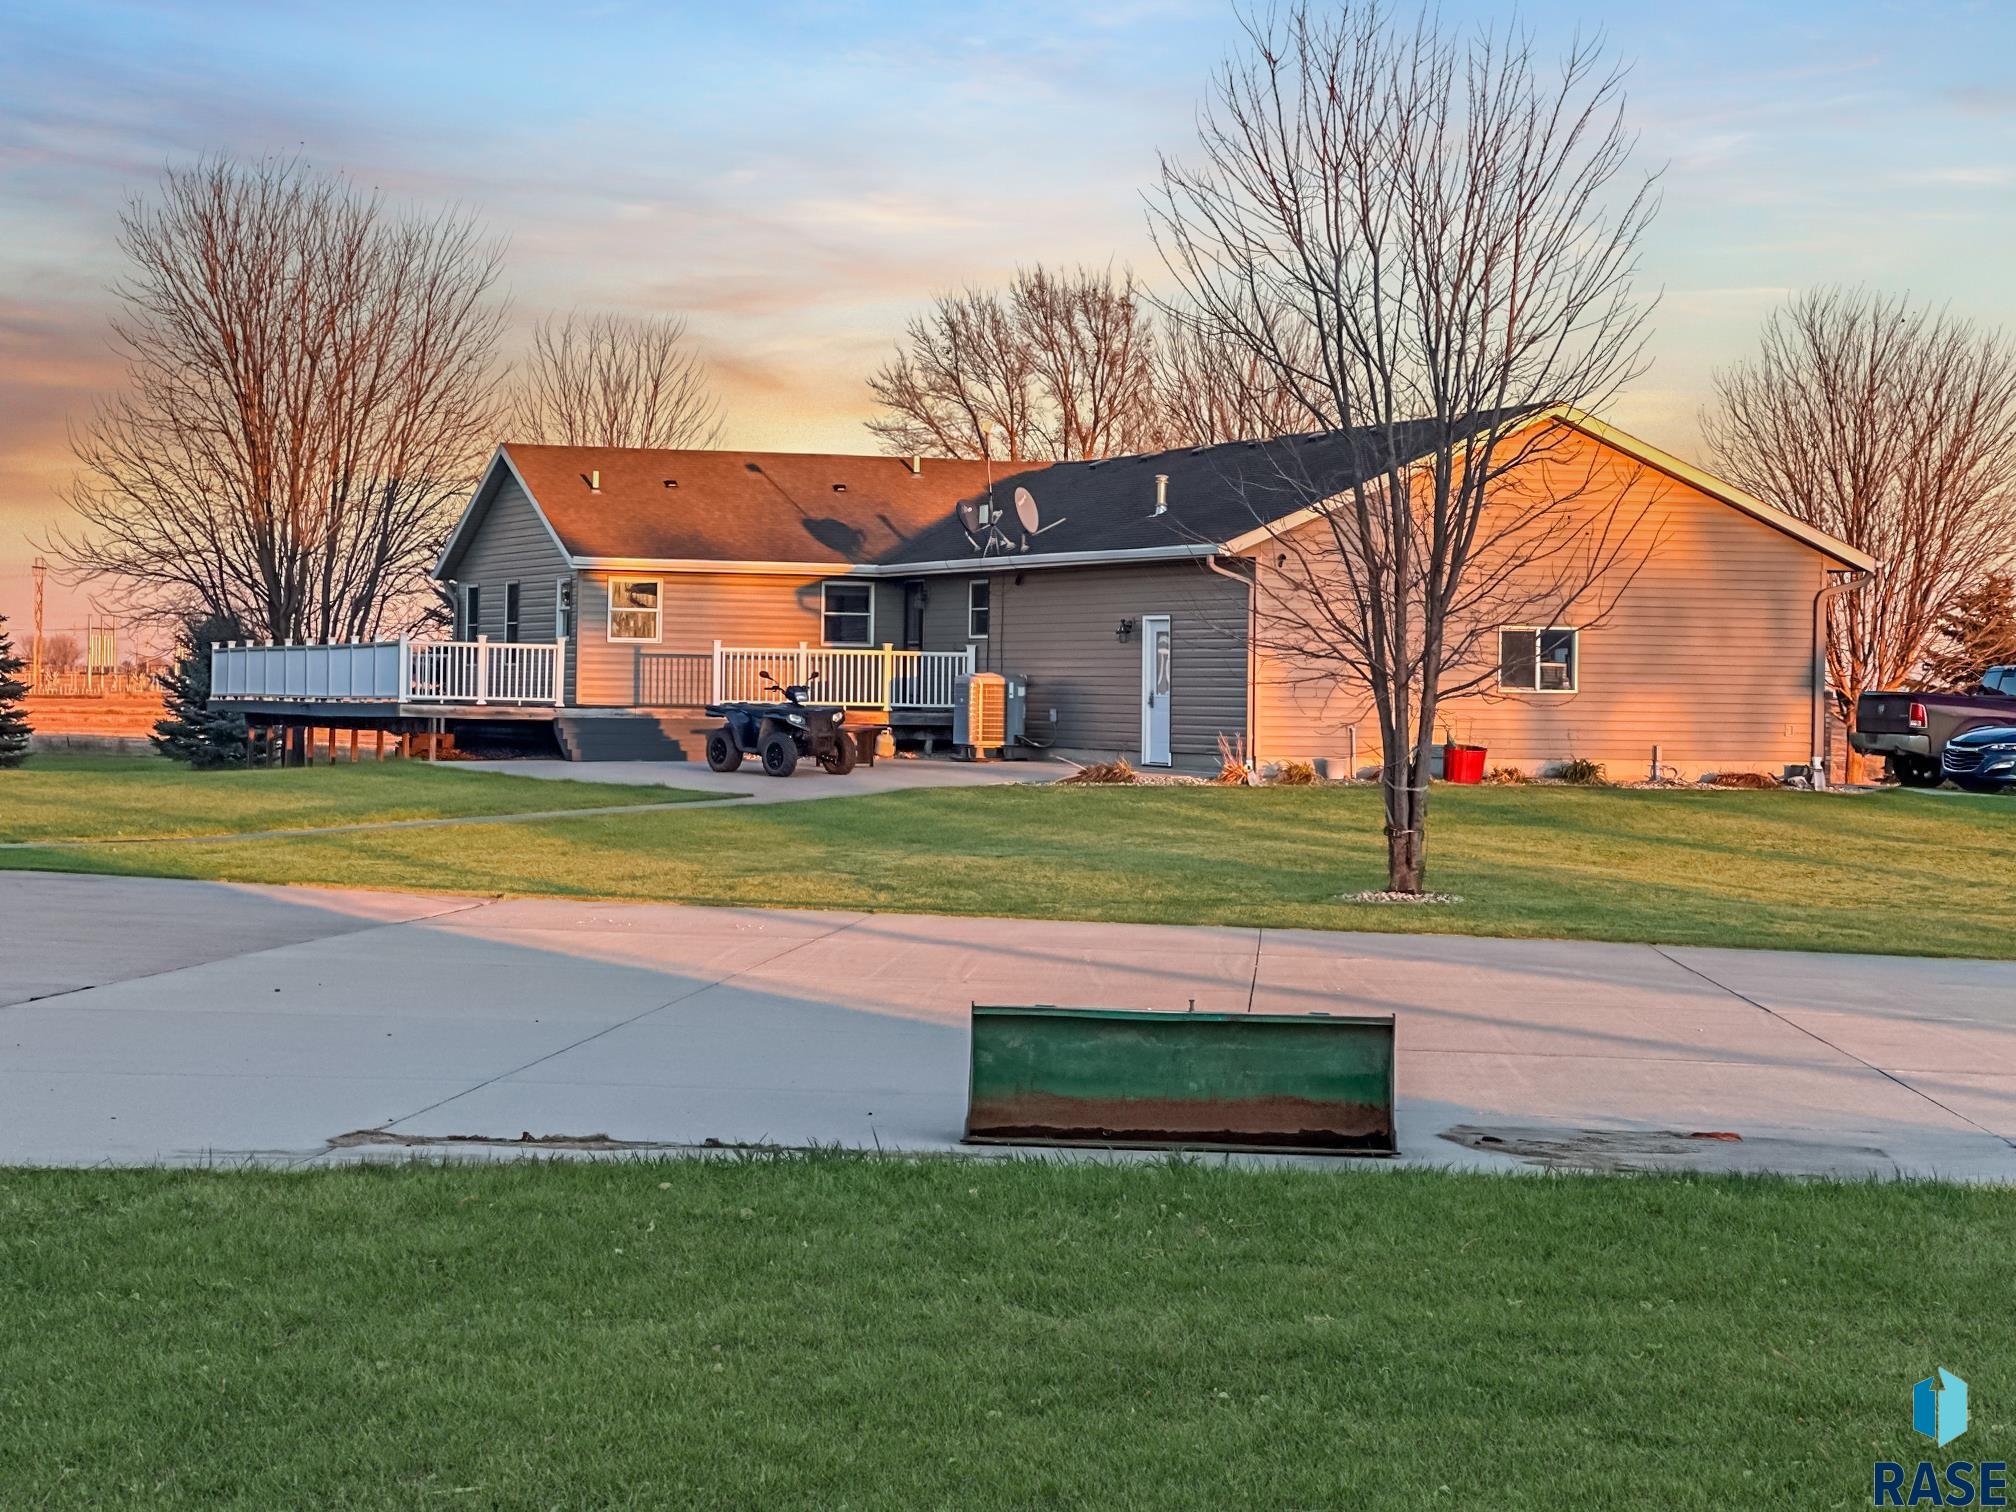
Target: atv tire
[(723, 755), (780, 756), (839, 761)]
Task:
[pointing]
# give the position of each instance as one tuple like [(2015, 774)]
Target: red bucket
[(1463, 763)]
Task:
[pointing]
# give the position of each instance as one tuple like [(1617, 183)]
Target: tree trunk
[(1854, 765), (1406, 837), (1405, 864)]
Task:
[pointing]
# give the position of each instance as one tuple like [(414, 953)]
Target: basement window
[(1539, 659), (847, 614), (633, 609)]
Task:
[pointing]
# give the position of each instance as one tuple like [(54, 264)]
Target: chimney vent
[(1161, 493), (595, 481), (916, 467)]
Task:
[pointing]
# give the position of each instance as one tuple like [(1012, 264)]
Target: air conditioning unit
[(988, 712)]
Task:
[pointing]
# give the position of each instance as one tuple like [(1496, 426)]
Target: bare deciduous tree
[(613, 380), (1091, 343), (309, 393), (1423, 239), (61, 653), (1057, 367), (1894, 429), (1209, 389), (963, 384)]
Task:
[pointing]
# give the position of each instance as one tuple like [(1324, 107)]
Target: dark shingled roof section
[(784, 506), (739, 506), (1215, 493)]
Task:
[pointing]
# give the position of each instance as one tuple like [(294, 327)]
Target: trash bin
[(1463, 763)]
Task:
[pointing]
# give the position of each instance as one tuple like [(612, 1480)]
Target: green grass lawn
[(1888, 872), (838, 1332), (110, 797)]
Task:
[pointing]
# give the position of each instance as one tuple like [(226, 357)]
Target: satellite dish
[(1025, 510), (969, 515)]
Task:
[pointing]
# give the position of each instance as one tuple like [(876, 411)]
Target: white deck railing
[(481, 671), (870, 677)]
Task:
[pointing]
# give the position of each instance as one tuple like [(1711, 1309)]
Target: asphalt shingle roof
[(874, 511), (1215, 493)]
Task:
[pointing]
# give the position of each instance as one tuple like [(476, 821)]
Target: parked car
[(1912, 729), (1983, 760)]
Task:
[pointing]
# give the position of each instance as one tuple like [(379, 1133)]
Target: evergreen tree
[(193, 731), (1977, 633), (13, 713)]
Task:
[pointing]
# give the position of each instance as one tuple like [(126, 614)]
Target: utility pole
[(40, 568)]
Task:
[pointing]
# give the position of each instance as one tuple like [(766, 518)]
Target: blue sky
[(798, 178)]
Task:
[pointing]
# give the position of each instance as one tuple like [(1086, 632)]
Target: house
[(615, 592)]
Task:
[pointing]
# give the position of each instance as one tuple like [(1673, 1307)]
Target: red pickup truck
[(1912, 729)]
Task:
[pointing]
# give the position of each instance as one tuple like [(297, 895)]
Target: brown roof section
[(740, 506)]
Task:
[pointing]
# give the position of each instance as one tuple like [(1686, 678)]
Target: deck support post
[(354, 733), (381, 742)]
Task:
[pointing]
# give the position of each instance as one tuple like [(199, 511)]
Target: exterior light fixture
[(1125, 632)]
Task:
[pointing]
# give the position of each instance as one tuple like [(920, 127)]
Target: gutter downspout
[(1252, 587), (1821, 601)]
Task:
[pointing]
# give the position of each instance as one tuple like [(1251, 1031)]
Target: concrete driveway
[(147, 1021), (889, 775)]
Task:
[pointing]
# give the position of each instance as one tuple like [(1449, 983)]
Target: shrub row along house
[(615, 592)]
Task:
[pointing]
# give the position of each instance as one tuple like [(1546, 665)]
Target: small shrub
[(1104, 774), (1295, 774), (1581, 772), (1507, 775), (1753, 780), (1235, 768)]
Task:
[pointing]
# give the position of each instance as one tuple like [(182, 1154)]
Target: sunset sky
[(797, 179)]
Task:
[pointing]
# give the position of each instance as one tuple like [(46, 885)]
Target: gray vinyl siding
[(510, 543), (1058, 628)]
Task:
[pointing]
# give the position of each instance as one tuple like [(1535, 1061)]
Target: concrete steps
[(633, 735)]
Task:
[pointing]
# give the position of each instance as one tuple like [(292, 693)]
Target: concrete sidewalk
[(147, 1020)]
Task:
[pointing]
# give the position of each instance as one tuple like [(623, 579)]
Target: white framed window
[(1539, 659), (847, 613), (633, 609), (470, 618), (979, 608), (563, 608)]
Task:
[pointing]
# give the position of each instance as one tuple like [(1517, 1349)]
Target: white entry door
[(1155, 690)]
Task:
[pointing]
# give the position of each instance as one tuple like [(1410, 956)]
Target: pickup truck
[(1912, 729)]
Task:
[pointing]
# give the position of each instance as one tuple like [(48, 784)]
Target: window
[(1538, 660), (563, 608), (472, 612), (979, 604), (633, 609), (511, 611), (848, 614)]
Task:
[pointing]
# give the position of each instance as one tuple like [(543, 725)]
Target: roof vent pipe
[(1161, 493), (916, 467), (595, 481)]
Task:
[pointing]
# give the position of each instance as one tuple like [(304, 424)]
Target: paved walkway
[(145, 1020)]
